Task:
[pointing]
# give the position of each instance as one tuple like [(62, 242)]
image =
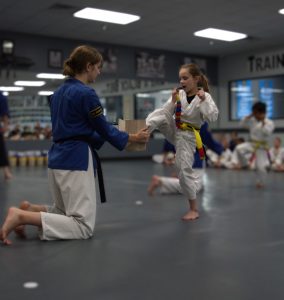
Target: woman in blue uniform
[(78, 125)]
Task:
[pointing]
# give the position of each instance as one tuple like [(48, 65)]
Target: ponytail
[(203, 82), (67, 69), (79, 58)]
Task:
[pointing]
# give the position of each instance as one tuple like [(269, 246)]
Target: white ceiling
[(164, 24)]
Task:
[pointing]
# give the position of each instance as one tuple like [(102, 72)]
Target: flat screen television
[(245, 92)]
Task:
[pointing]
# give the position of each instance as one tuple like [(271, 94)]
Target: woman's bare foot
[(20, 230), (11, 222), (191, 215), (155, 182)]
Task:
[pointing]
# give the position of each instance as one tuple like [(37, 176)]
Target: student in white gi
[(260, 129), (223, 160), (78, 126), (196, 106), (277, 155)]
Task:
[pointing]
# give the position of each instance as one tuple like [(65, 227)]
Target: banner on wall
[(110, 60), (266, 62), (149, 65)]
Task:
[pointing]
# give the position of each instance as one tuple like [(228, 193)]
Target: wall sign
[(268, 62)]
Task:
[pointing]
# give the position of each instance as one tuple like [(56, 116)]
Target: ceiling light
[(29, 83), (50, 76), (6, 94), (105, 16), (143, 95), (281, 11), (45, 93), (11, 88), (218, 34), (7, 47)]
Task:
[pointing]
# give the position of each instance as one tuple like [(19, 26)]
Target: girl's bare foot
[(11, 222), (191, 215)]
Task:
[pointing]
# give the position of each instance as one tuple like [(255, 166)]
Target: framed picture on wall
[(149, 65), (55, 58)]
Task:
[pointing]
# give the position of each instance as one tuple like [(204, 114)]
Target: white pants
[(162, 120), (261, 159), (171, 185), (73, 213), (185, 144), (185, 149)]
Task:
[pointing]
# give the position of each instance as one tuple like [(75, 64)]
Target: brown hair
[(78, 59), (195, 71)]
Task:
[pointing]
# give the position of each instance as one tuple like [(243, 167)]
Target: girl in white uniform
[(260, 129), (194, 107)]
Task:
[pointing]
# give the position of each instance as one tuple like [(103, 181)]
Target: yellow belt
[(260, 144), (196, 131)]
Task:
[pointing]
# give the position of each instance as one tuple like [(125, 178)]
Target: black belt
[(88, 140)]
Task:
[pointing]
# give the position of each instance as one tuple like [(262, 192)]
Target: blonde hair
[(79, 58), (195, 71)]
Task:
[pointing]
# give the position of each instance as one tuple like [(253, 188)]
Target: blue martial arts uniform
[(76, 111), (209, 142), (4, 110)]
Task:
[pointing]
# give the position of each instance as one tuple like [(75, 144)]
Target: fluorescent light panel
[(281, 11), (45, 93), (105, 16), (11, 88), (50, 76), (142, 95), (29, 83), (218, 34)]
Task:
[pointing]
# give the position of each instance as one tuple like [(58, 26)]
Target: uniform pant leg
[(162, 120), (75, 194), (170, 185), (185, 148), (58, 204), (242, 151), (261, 164)]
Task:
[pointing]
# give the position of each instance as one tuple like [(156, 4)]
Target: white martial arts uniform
[(194, 113), (259, 134), (225, 158), (171, 185), (73, 213), (277, 158)]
